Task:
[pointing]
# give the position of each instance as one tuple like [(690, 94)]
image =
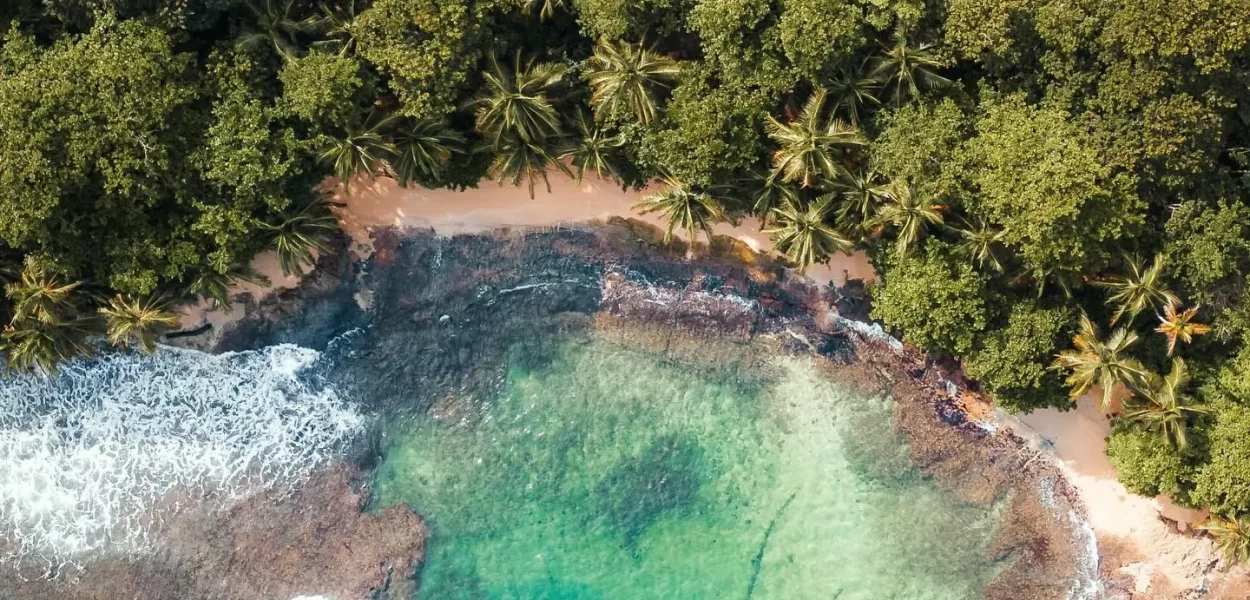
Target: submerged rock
[(314, 541)]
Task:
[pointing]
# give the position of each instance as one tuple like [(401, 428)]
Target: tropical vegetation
[(1048, 190)]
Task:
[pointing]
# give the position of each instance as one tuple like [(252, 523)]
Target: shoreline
[(1139, 552)]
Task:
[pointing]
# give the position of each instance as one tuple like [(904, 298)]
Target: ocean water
[(88, 457), (604, 472)]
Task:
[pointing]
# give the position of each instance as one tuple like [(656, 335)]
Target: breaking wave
[(87, 457)]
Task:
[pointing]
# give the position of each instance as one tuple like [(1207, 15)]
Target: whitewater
[(91, 457)]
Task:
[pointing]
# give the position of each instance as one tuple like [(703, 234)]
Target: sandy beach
[(371, 204), (1140, 539), (1149, 540)]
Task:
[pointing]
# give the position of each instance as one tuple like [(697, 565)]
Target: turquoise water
[(609, 473)]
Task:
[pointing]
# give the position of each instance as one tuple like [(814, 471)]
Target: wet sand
[(1142, 541)]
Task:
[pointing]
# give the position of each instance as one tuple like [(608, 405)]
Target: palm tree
[(907, 70), (1140, 290), (139, 321), (215, 285), (514, 102), (36, 345), (853, 93), (1232, 537), (684, 208), (908, 213), (980, 242), (624, 77), (546, 8), (335, 24), (40, 296), (301, 233), (362, 149), (1093, 361), (593, 149), (862, 193), (1166, 408), (808, 140), (516, 160), (1180, 325), (277, 28), (803, 236), (423, 149), (769, 193)]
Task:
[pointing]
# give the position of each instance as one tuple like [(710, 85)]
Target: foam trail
[(87, 456)]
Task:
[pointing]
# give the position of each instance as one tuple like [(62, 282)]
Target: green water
[(608, 473)]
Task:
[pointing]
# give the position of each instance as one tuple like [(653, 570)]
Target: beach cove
[(620, 339)]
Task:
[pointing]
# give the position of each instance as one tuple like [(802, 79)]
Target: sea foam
[(90, 458)]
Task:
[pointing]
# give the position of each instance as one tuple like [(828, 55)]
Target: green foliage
[(624, 78), (819, 34), (923, 144), (632, 20), (1039, 176), (938, 302), (1146, 463), (299, 234), (428, 48), (323, 89), (708, 134), (1208, 245), (1223, 483), (1093, 361), (804, 235), (139, 322), (81, 171), (684, 208), (808, 143), (1232, 537), (1011, 362)]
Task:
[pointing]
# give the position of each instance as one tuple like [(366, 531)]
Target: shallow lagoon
[(610, 472)]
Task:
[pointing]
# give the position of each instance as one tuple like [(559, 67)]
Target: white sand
[(1166, 559), (383, 203)]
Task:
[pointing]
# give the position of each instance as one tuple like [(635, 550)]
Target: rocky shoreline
[(452, 307)]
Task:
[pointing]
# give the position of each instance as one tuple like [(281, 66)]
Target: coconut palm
[(685, 209), (276, 27), (423, 148), (593, 149), (40, 296), (131, 320), (362, 149), (853, 93), (335, 25), (862, 194), (1180, 325), (1140, 290), (1161, 405), (36, 345), (981, 242), (1093, 361), (908, 213), (906, 69), (807, 142), (514, 101), (545, 8), (768, 193), (213, 284), (299, 234), (624, 78), (1232, 537), (517, 160), (804, 236)]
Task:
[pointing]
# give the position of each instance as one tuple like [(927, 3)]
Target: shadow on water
[(663, 481)]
